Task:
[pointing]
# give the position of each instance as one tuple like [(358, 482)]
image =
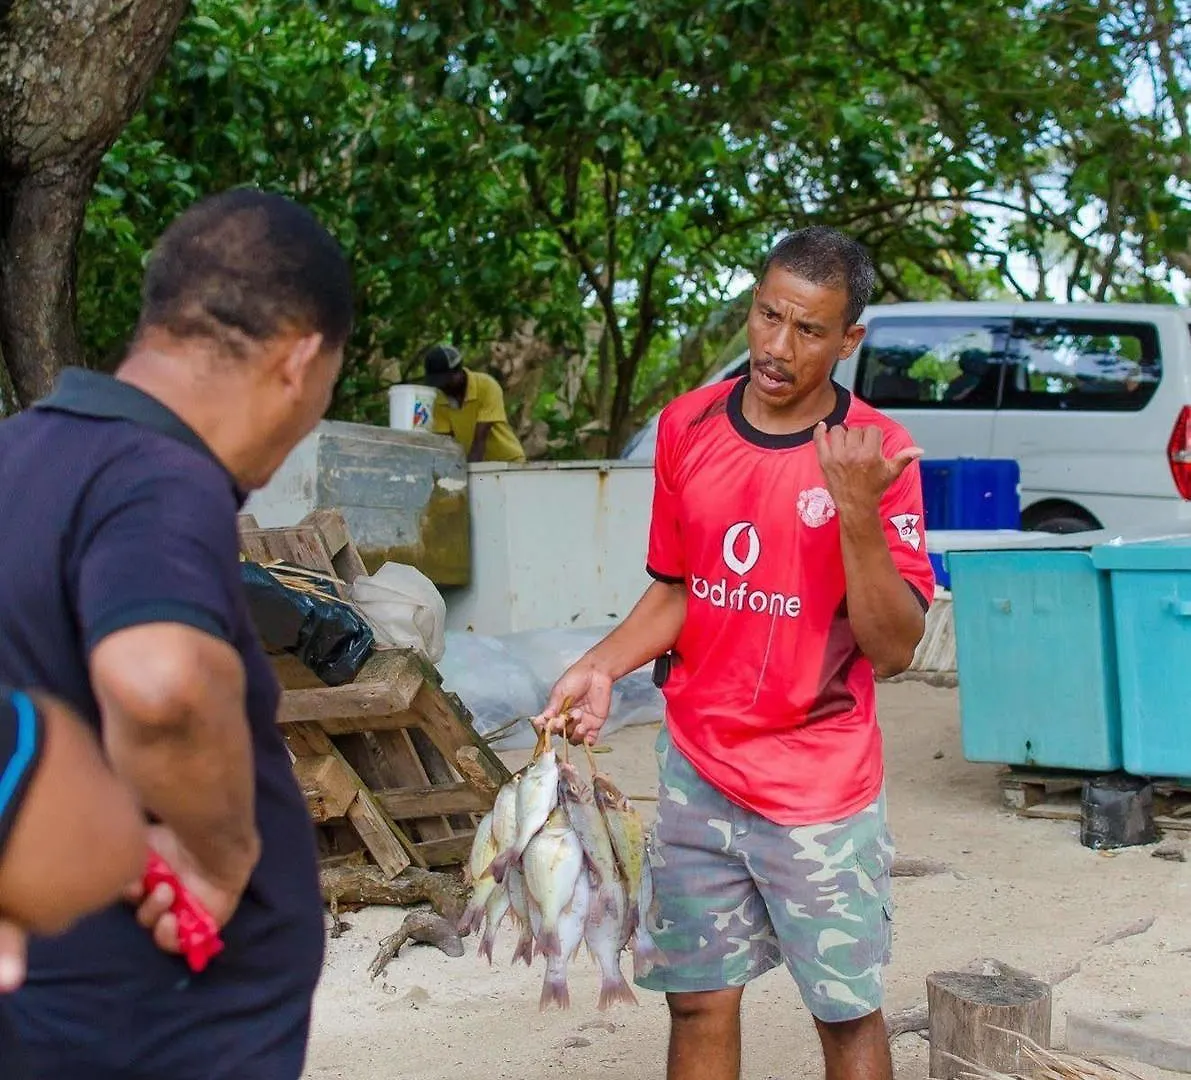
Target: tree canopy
[(577, 194)]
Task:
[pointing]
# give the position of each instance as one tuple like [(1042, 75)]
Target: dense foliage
[(577, 193)]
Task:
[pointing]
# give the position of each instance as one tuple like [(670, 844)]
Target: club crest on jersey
[(815, 506), (907, 528)]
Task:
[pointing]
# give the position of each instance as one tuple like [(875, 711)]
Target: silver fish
[(495, 911), (571, 922), (577, 799), (537, 796), (606, 933), (626, 830), (483, 850), (552, 864), (504, 815), (520, 901), (646, 954)]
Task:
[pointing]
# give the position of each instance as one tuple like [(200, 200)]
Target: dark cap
[(440, 363)]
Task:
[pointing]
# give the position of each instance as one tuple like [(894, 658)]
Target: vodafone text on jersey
[(741, 553)]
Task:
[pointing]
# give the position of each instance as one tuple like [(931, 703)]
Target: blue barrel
[(972, 493), (1151, 598), (1036, 658)]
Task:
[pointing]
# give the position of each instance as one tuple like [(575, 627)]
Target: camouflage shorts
[(738, 895)]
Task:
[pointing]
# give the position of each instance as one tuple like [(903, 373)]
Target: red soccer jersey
[(769, 695)]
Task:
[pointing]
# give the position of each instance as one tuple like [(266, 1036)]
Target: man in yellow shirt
[(470, 408)]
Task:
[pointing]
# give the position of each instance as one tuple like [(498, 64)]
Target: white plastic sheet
[(404, 608), (506, 678)]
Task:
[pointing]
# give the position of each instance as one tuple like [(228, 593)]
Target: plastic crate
[(971, 493), (1036, 658), (1151, 595)]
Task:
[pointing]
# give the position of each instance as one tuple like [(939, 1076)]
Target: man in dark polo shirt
[(118, 498)]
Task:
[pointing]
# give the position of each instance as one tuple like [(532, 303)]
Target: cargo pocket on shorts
[(874, 861)]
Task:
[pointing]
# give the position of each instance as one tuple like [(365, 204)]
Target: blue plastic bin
[(1037, 659), (1151, 595), (971, 493), (938, 563)]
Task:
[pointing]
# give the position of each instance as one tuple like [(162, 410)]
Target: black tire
[(1064, 524)]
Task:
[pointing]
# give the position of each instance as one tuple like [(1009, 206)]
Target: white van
[(1093, 400)]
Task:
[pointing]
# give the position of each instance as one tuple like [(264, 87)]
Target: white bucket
[(411, 407)]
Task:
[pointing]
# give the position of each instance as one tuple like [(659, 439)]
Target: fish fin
[(607, 903), (615, 991), (500, 865), (548, 943), (485, 948), (554, 992)]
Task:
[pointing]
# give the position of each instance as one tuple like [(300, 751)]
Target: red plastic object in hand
[(198, 933)]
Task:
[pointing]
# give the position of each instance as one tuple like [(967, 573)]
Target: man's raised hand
[(855, 466)]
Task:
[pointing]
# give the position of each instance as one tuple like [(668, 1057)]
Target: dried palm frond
[(1048, 1065)]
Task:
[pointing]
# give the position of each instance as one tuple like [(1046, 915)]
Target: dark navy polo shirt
[(113, 514)]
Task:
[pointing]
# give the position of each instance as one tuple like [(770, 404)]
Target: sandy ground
[(1023, 891)]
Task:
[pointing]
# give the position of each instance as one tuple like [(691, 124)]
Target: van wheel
[(1063, 523)]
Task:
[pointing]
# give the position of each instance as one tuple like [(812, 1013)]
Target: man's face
[(796, 333)]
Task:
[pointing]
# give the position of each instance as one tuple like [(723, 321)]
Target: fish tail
[(486, 943), (555, 992), (524, 950), (500, 865), (548, 942), (646, 954), (469, 923), (615, 990)]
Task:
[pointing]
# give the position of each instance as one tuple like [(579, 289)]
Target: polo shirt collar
[(90, 393), (472, 390)]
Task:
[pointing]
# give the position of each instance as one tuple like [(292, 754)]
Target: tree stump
[(966, 1008)]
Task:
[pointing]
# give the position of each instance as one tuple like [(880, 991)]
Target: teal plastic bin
[(1037, 659), (1151, 595)]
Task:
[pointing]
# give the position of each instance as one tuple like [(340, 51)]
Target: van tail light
[(1178, 452)]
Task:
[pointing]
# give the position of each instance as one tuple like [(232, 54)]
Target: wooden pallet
[(389, 762), (1055, 794)]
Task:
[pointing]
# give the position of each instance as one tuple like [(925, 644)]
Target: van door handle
[(1181, 608)]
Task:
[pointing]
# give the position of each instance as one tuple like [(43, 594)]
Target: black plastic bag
[(327, 635), (1118, 811)]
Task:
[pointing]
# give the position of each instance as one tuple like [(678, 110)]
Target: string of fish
[(567, 862)]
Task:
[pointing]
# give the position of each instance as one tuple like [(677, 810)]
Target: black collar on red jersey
[(843, 402)]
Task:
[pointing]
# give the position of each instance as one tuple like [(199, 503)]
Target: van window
[(932, 362), (1082, 364)]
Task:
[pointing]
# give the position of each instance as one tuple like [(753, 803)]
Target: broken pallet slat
[(447, 852)]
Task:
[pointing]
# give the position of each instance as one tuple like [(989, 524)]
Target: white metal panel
[(554, 544)]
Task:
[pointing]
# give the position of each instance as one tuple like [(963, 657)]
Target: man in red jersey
[(789, 566)]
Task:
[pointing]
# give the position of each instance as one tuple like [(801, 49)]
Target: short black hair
[(247, 264), (825, 256)]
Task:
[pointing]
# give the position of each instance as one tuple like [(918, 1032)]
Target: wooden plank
[(440, 771), (328, 789), (403, 803), (370, 700), (305, 740), (390, 845), (303, 546), (379, 836), (345, 557), (352, 724), (449, 852), (401, 768)]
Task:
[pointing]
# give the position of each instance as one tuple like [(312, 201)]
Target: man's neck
[(797, 416), (172, 381)]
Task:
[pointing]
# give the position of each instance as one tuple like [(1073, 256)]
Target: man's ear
[(853, 336), (298, 362)]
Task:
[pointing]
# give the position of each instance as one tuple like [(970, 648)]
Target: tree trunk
[(72, 73)]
